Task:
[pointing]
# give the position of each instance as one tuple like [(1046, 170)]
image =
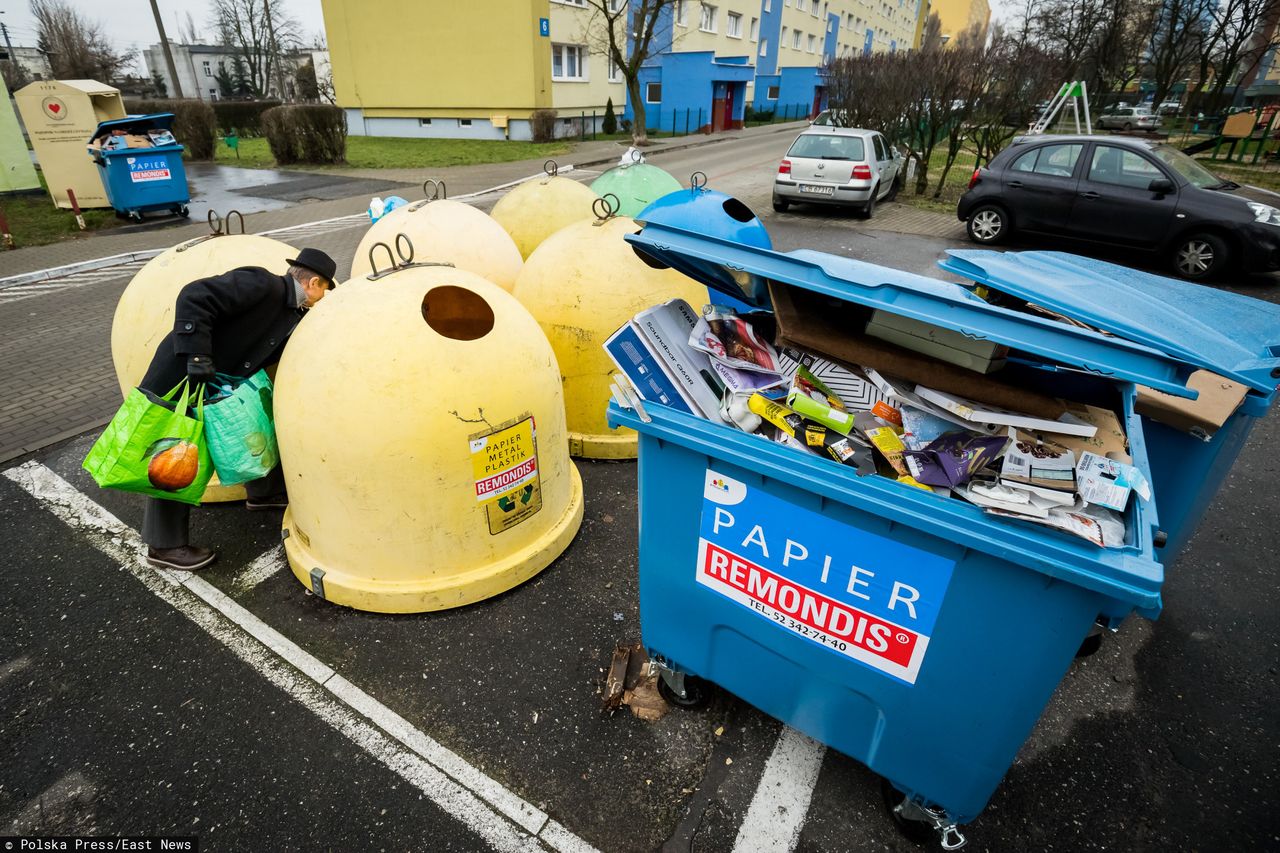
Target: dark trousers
[(167, 524)]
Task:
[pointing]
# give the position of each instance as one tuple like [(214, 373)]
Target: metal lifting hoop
[(552, 168), (373, 262), (698, 180), (403, 249), (403, 242), (605, 208), (219, 226), (433, 190)]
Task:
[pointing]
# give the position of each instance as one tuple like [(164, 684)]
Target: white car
[(1129, 118), (838, 165)]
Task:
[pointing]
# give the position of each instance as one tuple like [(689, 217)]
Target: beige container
[(61, 116)]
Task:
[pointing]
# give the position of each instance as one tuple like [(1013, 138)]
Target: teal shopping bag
[(154, 446), (240, 430)]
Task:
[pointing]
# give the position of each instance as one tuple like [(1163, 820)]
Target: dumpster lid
[(744, 272), (154, 121), (1231, 335)]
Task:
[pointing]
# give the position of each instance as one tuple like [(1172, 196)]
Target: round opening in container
[(457, 313), (738, 210)]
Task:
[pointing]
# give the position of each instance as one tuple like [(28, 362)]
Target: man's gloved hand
[(200, 368)]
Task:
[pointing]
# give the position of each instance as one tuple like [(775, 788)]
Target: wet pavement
[(224, 188)]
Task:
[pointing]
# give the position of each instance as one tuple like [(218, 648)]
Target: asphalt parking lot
[(245, 711)]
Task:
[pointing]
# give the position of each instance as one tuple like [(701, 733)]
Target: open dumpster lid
[(1231, 335), (154, 121), (744, 271)]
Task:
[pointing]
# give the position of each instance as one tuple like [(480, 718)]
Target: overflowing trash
[(721, 366), (380, 207)]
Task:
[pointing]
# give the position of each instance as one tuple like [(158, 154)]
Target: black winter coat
[(241, 319)]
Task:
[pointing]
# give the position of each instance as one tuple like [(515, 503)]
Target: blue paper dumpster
[(140, 164), (909, 630)]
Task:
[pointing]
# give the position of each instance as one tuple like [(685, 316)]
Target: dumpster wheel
[(919, 823), (697, 693)]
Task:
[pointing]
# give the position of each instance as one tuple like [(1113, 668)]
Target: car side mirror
[(1161, 186)]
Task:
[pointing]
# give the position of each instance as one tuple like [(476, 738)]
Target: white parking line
[(260, 569), (781, 802), (503, 819)]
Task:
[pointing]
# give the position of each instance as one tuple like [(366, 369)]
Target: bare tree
[(625, 33), (1176, 33), (260, 35), (188, 31), (14, 75), (1242, 32), (76, 46)]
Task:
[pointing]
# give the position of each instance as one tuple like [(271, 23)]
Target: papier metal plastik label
[(504, 462), (855, 593)]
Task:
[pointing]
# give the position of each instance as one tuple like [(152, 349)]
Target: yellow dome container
[(144, 314), (445, 232), (422, 432), (538, 208), (582, 284)]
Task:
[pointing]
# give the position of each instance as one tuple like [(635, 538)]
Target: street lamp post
[(168, 54)]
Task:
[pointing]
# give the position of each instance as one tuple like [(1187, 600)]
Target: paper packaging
[(885, 439), (777, 414), (811, 398), (729, 339), (850, 384), (629, 352), (989, 416), (920, 427), (665, 331), (1202, 417), (847, 450), (814, 323), (952, 347), (1032, 461), (1107, 483)]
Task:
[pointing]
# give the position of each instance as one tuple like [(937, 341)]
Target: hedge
[(306, 133), (241, 118), (194, 124)]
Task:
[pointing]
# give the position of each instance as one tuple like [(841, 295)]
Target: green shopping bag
[(154, 449), (239, 429)]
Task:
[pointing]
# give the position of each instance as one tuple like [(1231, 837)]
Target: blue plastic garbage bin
[(908, 630), (140, 180)]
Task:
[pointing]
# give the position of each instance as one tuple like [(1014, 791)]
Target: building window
[(208, 71), (755, 29), (682, 13), (615, 73), (799, 5), (733, 25), (616, 5), (813, 40), (708, 22), (464, 122), (213, 94), (782, 42), (764, 47), (768, 5), (830, 24), (568, 62), (772, 93), (579, 3), (795, 39), (849, 21), (424, 122), (653, 93)]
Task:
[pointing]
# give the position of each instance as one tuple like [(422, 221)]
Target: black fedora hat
[(316, 261)]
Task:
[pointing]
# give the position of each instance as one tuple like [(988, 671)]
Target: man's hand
[(200, 368)]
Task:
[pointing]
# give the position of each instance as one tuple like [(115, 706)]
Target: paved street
[(240, 708)]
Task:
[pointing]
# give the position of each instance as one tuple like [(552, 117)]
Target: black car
[(1135, 193)]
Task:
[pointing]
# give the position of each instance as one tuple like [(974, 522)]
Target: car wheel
[(1127, 127), (780, 204), (869, 209), (894, 187), (988, 225), (1200, 256)]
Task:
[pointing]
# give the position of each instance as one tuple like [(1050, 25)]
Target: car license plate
[(810, 188)]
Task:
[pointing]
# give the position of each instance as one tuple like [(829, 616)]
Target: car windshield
[(1186, 167), (824, 147)]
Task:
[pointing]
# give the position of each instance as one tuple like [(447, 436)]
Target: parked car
[(1129, 118), (1170, 108), (1128, 192), (838, 165)]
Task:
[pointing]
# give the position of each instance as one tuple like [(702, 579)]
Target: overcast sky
[(131, 27)]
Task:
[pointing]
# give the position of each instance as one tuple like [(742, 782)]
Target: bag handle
[(183, 403)]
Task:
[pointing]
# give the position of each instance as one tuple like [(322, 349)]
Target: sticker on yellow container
[(504, 462)]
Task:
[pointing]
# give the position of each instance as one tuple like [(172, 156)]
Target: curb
[(41, 444), (708, 140), (78, 266)]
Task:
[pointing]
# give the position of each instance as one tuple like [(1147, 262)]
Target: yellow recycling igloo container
[(422, 433), (540, 207), (144, 314), (445, 231), (582, 284)]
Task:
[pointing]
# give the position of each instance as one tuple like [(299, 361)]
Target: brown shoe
[(184, 559), (270, 502)]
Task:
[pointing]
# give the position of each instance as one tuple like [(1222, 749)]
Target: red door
[(817, 101), (728, 107)]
